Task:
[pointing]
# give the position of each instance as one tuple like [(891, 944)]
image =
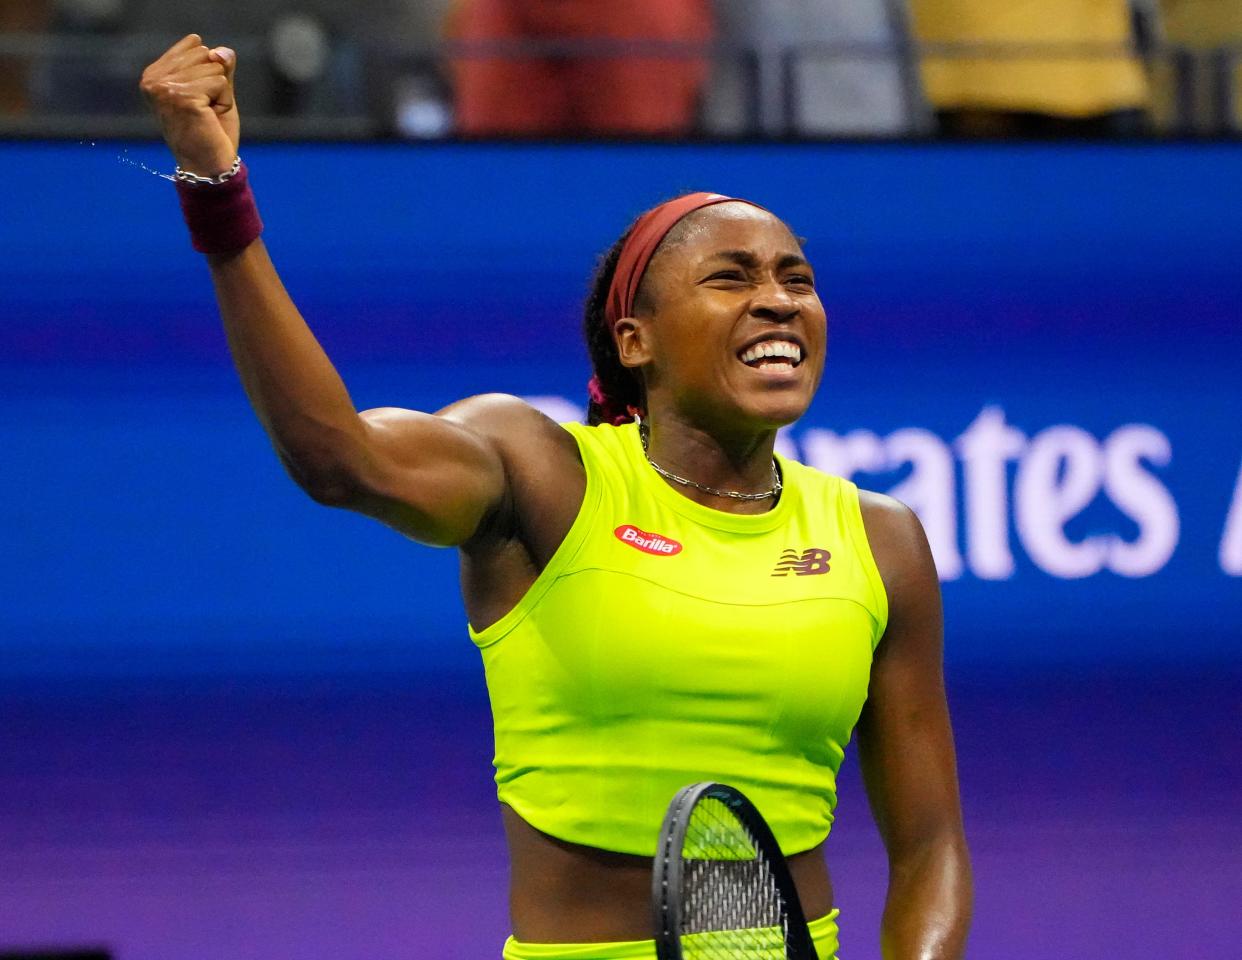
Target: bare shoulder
[(545, 475), (511, 423), (897, 542), (504, 423), (479, 413)]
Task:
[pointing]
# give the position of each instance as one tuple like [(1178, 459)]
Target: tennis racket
[(720, 886)]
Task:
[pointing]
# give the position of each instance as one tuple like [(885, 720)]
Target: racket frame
[(666, 876)]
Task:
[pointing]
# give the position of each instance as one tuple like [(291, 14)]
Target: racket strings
[(731, 901)]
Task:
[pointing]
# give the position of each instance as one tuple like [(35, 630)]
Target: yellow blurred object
[(1071, 84), (1202, 25)]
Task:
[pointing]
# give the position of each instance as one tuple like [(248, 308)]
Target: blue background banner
[(1038, 348)]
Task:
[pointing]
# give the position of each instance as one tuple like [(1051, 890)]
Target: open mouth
[(772, 353)]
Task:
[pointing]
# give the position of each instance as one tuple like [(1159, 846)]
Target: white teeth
[(773, 348)]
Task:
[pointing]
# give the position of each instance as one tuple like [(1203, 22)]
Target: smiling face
[(729, 330)]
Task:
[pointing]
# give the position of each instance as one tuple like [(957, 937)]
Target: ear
[(633, 342)]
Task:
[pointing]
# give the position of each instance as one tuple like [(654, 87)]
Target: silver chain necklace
[(773, 491)]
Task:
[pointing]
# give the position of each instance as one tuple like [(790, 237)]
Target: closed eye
[(801, 279), (737, 275)]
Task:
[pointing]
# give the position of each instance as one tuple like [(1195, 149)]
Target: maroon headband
[(652, 227), (639, 247)]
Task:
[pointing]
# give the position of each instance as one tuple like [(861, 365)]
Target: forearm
[(294, 389), (927, 911), (292, 385)]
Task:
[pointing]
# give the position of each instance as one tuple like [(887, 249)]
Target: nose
[(773, 302)]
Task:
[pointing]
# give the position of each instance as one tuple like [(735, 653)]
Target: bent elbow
[(327, 485), (331, 494)]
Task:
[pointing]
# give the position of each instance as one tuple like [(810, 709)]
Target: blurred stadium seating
[(798, 68)]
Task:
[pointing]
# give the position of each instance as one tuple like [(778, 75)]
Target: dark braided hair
[(620, 389)]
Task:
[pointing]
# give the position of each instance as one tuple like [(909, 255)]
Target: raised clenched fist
[(190, 88)]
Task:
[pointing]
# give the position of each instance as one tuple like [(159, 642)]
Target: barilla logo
[(647, 542), (805, 564)]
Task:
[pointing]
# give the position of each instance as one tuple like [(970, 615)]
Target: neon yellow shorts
[(823, 932)]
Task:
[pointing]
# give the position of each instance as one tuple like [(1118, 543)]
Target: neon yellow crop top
[(667, 642)]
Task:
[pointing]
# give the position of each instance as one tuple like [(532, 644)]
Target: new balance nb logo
[(808, 563)]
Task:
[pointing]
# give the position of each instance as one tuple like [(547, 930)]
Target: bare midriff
[(563, 892)]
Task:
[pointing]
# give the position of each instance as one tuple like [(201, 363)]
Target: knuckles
[(162, 90), (164, 84), (168, 89)]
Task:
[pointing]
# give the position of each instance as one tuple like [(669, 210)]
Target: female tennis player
[(659, 599)]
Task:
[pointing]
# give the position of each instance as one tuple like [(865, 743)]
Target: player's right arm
[(435, 478)]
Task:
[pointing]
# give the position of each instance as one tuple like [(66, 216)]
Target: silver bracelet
[(184, 176)]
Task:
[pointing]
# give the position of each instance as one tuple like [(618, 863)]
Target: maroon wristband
[(222, 217)]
